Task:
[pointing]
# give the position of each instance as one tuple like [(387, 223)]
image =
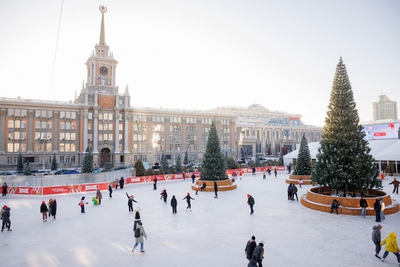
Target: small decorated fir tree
[(303, 164)]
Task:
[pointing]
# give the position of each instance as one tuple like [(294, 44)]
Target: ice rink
[(213, 234)]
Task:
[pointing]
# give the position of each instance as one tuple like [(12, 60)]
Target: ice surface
[(213, 234)]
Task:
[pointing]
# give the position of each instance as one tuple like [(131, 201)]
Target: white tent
[(383, 151)]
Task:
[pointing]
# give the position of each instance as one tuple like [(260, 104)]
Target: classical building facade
[(102, 119)]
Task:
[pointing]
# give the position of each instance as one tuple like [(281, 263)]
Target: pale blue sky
[(196, 54)]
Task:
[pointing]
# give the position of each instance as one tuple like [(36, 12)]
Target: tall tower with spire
[(105, 112)]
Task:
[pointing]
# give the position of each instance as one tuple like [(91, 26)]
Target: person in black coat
[(250, 246), (174, 203), (377, 209), (121, 182), (155, 183), (130, 202), (164, 195), (335, 205), (4, 189), (54, 209), (43, 211), (215, 189), (110, 190), (188, 198), (193, 178)]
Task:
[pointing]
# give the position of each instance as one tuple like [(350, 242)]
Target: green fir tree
[(232, 164), (139, 167), (178, 164), (213, 166), (27, 169), (54, 163), (258, 162), (343, 160), (108, 166), (20, 164), (186, 159), (303, 164), (164, 164), (88, 162)]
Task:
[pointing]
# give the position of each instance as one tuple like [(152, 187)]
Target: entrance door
[(104, 156)]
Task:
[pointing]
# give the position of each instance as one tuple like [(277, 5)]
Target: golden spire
[(103, 9)]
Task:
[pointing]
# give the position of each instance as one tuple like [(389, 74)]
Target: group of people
[(390, 243), (379, 208), (254, 253), (292, 192)]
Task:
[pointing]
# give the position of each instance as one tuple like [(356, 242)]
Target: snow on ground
[(213, 234)]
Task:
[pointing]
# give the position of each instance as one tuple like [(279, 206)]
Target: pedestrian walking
[(259, 253), (275, 172), (5, 217), (82, 204), (250, 202), (250, 246), (377, 209), (53, 208), (110, 190), (289, 191), (253, 171), (264, 174), (4, 189), (116, 183), (121, 182), (215, 189), (300, 182), (49, 205), (376, 238), (137, 218), (164, 195), (99, 196), (174, 204), (193, 178), (294, 192), (383, 207), (183, 175), (363, 206), (390, 243), (395, 184), (155, 183), (43, 211), (130, 202), (188, 198), (139, 234)]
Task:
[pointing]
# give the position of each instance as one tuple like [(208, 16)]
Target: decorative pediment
[(106, 101)]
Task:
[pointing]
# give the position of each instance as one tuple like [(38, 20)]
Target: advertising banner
[(381, 131)]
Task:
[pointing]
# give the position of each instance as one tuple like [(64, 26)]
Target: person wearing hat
[(130, 202), (137, 218), (188, 198), (44, 210), (99, 196), (250, 246), (4, 189), (259, 253), (395, 184), (391, 246), (5, 216), (250, 202), (139, 239), (174, 203), (82, 204), (376, 238)]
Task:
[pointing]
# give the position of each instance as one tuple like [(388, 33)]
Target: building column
[(3, 133), (116, 133), (85, 130), (29, 135), (95, 131)]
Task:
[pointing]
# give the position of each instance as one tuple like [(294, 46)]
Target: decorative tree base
[(294, 179), (223, 185), (320, 198)]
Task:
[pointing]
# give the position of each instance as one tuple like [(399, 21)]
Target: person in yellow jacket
[(391, 246)]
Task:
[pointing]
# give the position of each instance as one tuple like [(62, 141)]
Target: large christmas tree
[(343, 162), (303, 164), (87, 166), (213, 166)]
